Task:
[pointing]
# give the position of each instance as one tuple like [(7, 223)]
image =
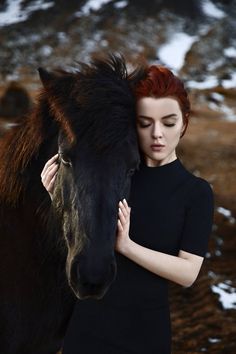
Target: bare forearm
[(176, 269)]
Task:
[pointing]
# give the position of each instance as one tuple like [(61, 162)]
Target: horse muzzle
[(92, 282)]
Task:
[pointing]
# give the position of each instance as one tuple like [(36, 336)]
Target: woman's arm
[(182, 269)]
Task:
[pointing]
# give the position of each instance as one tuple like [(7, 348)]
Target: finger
[(48, 177), (124, 208), (49, 162), (122, 217), (53, 158), (120, 227), (54, 166), (126, 205), (50, 172), (51, 184), (49, 168)]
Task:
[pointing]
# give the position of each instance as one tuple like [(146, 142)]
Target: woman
[(162, 237)]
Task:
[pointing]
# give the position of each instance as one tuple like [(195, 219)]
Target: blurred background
[(197, 40)]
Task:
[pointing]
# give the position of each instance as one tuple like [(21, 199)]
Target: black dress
[(171, 210)]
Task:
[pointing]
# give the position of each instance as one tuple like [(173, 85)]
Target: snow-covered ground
[(230, 52), (209, 82), (15, 12), (227, 294), (212, 81), (211, 10), (173, 53), (227, 213), (94, 5)]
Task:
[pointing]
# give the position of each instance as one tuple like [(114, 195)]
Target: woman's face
[(159, 121)]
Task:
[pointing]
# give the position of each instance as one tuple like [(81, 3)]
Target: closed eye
[(147, 125), (144, 125), (169, 125)]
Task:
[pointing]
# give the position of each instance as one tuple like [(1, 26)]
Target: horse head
[(98, 153)]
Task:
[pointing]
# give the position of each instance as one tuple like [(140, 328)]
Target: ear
[(184, 128), (46, 77)]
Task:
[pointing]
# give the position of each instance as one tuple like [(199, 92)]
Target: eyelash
[(147, 125)]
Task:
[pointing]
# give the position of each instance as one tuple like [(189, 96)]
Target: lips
[(157, 147)]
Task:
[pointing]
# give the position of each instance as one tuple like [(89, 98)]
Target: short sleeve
[(199, 219)]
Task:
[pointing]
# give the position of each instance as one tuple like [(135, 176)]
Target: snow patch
[(231, 117), (173, 53), (212, 81), (120, 4), (209, 82), (230, 52), (214, 340), (231, 83), (217, 96), (215, 64), (227, 213), (223, 211), (227, 294), (93, 5), (46, 50), (211, 10), (16, 13)]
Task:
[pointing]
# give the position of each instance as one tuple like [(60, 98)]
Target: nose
[(156, 131)]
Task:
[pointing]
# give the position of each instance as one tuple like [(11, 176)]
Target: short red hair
[(161, 82)]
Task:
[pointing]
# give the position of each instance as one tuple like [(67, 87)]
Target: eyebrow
[(172, 115)]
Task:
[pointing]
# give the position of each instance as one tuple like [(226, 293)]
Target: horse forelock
[(95, 101), (111, 66), (98, 111), (60, 116)]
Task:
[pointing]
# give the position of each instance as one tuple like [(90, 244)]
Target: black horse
[(88, 116)]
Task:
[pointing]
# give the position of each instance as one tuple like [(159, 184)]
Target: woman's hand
[(49, 174), (123, 239)]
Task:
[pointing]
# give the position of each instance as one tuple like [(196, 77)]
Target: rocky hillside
[(197, 39)]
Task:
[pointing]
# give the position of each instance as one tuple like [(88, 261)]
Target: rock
[(15, 102)]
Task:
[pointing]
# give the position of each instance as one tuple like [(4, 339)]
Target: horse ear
[(46, 77)]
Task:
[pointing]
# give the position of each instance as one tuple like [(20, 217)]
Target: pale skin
[(159, 121)]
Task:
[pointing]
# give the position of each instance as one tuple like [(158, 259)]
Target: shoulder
[(196, 187), (195, 183), (200, 190), (202, 184)]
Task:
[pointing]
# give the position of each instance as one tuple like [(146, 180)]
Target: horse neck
[(23, 152)]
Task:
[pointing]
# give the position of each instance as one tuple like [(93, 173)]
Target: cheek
[(142, 136), (174, 133)]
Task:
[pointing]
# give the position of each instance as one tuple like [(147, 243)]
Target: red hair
[(161, 82)]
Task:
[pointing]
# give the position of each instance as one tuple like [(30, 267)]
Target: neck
[(155, 163)]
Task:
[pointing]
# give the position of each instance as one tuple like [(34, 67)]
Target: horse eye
[(65, 162), (131, 172)]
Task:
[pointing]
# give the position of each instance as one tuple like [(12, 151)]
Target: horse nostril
[(94, 278)]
